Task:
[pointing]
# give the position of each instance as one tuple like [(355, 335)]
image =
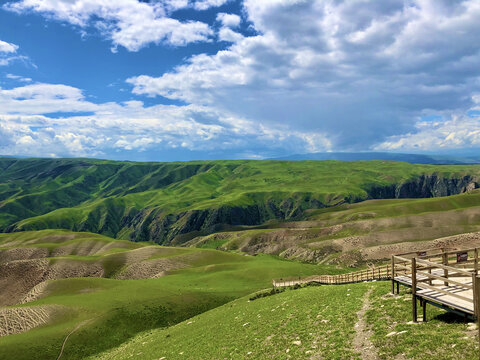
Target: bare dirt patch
[(19, 320), (467, 240), (17, 278), (150, 269), (24, 253)]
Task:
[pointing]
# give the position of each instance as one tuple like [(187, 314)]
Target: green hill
[(371, 230), (171, 203), (55, 281), (309, 323)]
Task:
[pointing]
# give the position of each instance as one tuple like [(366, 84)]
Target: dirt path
[(361, 342), (66, 339)]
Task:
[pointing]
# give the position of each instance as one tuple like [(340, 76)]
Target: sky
[(171, 80)]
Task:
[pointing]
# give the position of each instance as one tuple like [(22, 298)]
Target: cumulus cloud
[(459, 132), (229, 20), (359, 72), (28, 126), (206, 4), (132, 24)]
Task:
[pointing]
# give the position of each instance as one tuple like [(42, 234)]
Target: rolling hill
[(172, 203), (81, 263), (309, 323), (55, 281)]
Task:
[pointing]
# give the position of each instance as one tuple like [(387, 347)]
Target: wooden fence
[(383, 272)]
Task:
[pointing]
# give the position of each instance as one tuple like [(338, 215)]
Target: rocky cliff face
[(425, 186), (175, 229)]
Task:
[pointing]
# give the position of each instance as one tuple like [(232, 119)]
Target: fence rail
[(383, 272)]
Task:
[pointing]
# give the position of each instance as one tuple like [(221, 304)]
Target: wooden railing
[(383, 272), (461, 258), (441, 279), (400, 265)]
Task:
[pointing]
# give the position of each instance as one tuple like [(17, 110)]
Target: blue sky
[(214, 79)]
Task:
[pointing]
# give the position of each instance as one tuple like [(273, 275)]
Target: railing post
[(476, 304), (393, 274), (475, 261), (445, 262), (475, 295), (414, 289)]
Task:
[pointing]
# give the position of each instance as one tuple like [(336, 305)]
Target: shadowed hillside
[(171, 203), (371, 230)]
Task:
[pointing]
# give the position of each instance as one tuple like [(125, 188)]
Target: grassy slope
[(322, 318), (118, 309), (376, 222), (98, 195), (443, 336)]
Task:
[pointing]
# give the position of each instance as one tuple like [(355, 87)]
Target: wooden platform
[(437, 276), (440, 297), (447, 279)]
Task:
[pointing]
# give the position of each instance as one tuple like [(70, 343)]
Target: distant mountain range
[(410, 158)]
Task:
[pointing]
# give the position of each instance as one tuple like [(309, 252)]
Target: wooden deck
[(439, 295), (443, 278), (447, 279)]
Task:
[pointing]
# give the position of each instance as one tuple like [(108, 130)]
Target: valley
[(100, 258)]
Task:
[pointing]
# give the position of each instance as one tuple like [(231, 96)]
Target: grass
[(117, 310), (127, 200), (300, 324), (372, 223), (443, 336), (308, 323)]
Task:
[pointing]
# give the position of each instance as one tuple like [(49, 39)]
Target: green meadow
[(165, 202), (308, 323), (114, 310)]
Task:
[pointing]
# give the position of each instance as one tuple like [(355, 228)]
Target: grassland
[(306, 323), (309, 323), (189, 302), (444, 335), (359, 232), (113, 310), (171, 203)]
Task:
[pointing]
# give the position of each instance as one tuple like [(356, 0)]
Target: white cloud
[(7, 53), (358, 71), (229, 20), (18, 78), (44, 98), (129, 23), (458, 132), (26, 128), (8, 48), (227, 34), (206, 4)]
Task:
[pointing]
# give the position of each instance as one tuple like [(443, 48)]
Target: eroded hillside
[(55, 282), (172, 203)]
